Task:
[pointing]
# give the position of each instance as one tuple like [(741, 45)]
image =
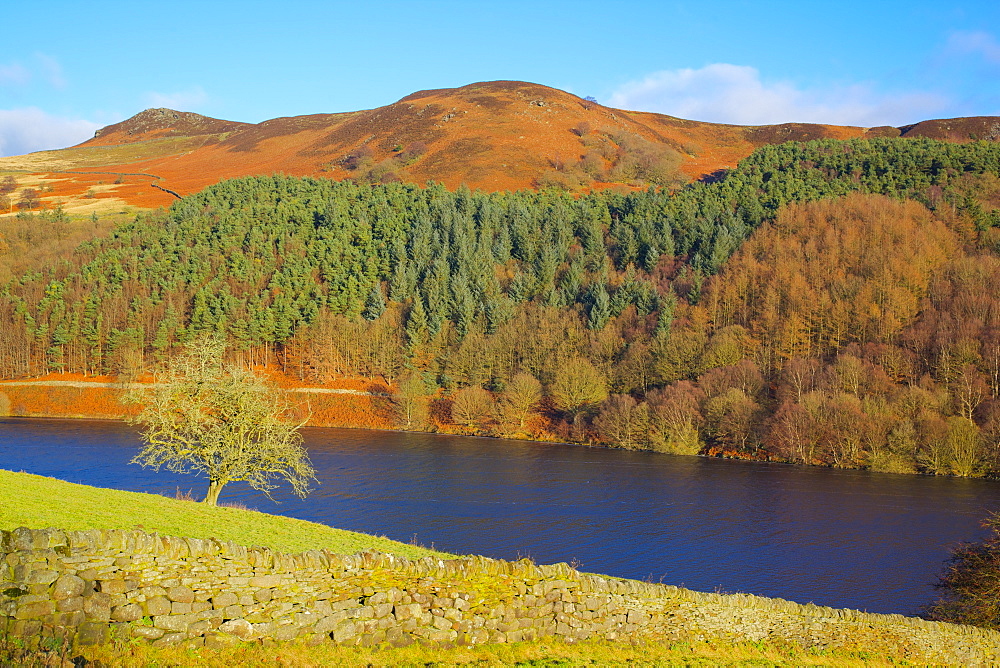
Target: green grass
[(38, 502), (536, 653)]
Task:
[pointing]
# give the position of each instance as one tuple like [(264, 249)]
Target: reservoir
[(841, 538)]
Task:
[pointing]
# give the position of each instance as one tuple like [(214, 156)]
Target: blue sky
[(68, 68)]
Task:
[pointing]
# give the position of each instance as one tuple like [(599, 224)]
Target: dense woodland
[(829, 302)]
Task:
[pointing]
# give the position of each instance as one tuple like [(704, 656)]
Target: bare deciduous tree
[(472, 407), (219, 420)]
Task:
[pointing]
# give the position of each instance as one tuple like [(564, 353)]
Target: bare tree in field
[(29, 199), (221, 421)]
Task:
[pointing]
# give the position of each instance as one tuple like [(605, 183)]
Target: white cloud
[(44, 65), (30, 129), (724, 93), (185, 100), (14, 74), (52, 69), (976, 42)]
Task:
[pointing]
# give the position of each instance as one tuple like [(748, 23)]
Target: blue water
[(842, 538)]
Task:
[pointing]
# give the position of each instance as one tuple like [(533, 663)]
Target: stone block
[(346, 630), (237, 627), (305, 618), (410, 611), (397, 638), (152, 591), (262, 595), (233, 612), (44, 577), (220, 640), (265, 581), (440, 636), (128, 612), (70, 604), (257, 615), (114, 586), (223, 600), (71, 619), (92, 633), (178, 623), (181, 594), (345, 604), (67, 586), (34, 609), (199, 628), (636, 617), (170, 640), (156, 605), (286, 632), (264, 629), (327, 624), (178, 608)]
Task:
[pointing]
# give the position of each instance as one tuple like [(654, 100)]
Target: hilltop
[(498, 135)]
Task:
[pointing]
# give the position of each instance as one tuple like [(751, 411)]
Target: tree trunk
[(214, 487)]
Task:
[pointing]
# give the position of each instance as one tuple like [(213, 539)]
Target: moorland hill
[(498, 135)]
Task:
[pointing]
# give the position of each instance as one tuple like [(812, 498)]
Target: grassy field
[(134, 653), (38, 502)]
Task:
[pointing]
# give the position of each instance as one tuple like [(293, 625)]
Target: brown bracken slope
[(498, 135)]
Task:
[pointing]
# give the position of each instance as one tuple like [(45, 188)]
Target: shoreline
[(340, 408)]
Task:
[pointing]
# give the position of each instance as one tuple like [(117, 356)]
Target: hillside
[(500, 135), (828, 302)]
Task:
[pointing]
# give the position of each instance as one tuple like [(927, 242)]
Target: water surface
[(842, 538)]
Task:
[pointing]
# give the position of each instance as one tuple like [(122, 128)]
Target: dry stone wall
[(86, 585)]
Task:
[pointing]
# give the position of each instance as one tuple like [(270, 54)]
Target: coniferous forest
[(829, 302)]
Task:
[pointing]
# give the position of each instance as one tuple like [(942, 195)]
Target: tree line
[(855, 327)]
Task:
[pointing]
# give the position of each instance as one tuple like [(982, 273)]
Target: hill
[(499, 135), (853, 329)]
